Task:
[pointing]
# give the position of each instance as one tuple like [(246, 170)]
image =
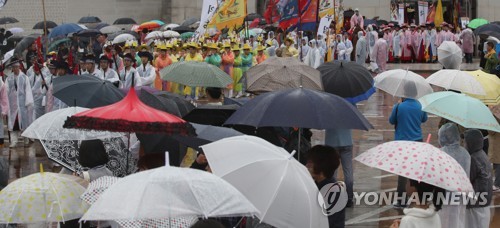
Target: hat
[(356, 9), (105, 58), (52, 53), (413, 26), (161, 45), (89, 58), (269, 42), (143, 47), (289, 39), (404, 25), (145, 54), (226, 44), (129, 57), (50, 64), (261, 48), (246, 46), (14, 62), (192, 44), (212, 45)]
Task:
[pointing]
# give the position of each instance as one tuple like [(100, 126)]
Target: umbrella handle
[(428, 138)]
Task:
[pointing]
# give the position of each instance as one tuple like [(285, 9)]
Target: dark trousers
[(468, 57), (401, 189)]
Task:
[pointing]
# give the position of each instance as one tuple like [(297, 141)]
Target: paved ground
[(24, 161)]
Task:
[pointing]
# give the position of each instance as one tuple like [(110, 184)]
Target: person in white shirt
[(106, 73), (129, 76), (90, 66), (146, 71)]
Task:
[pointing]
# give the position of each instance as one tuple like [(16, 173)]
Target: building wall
[(489, 9)]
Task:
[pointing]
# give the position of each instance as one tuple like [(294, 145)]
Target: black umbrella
[(89, 19), (190, 21), (252, 16), (382, 22), (182, 29), (495, 34), (97, 26), (7, 20), (214, 115), (487, 27), (124, 21), (88, 33), (16, 38), (348, 80), (40, 25), (495, 22), (160, 103), (160, 143), (183, 105), (206, 134), (367, 22), (23, 45), (86, 91)]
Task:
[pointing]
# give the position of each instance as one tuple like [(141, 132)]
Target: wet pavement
[(25, 160)]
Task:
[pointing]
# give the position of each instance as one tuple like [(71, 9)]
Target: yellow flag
[(326, 7), (230, 14), (438, 17)]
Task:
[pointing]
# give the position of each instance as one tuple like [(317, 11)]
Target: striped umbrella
[(196, 74)]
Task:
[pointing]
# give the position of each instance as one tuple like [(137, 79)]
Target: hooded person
[(304, 47), (146, 71), (380, 54), (4, 110), (478, 213), (453, 216), (313, 57), (361, 49), (273, 42)]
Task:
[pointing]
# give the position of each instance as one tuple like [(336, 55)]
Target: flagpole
[(45, 29), (298, 30), (317, 18)]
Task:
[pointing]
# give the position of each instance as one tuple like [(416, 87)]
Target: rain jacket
[(480, 168), (418, 217)]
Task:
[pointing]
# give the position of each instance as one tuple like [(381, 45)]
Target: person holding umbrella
[(107, 73), (146, 71)]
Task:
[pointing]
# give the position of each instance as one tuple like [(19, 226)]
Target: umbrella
[(196, 74), (85, 91), (248, 33), (369, 22), (161, 23), (169, 27), (124, 21), (252, 16), (207, 134), (461, 109), (16, 38), (214, 115), (491, 85), (456, 80), (154, 35), (89, 19), (23, 45), (257, 22), (190, 21), (187, 35), (41, 197), (169, 192), (487, 27), (495, 34), (64, 29), (477, 22), (53, 46), (269, 178), (97, 26), (41, 25), (110, 29), (160, 103), (171, 34), (122, 38), (282, 73), (418, 161), (16, 30), (129, 115), (7, 20), (382, 22), (403, 83), (348, 80), (116, 34), (183, 105), (182, 29), (258, 31), (7, 56), (97, 187), (450, 55), (149, 25), (303, 108), (88, 33)]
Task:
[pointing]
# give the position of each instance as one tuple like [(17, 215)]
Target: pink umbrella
[(418, 161)]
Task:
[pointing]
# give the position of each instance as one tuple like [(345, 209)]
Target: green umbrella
[(246, 34), (461, 109), (196, 74), (187, 35), (477, 22), (53, 46)]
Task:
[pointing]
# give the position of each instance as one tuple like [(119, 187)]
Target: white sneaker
[(496, 188), (13, 139)]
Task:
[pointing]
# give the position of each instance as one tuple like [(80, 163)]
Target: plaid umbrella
[(196, 74)]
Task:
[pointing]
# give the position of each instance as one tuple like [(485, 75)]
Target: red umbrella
[(129, 115)]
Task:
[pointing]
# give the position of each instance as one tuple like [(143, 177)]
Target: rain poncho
[(147, 73), (453, 216), (361, 49), (304, 49), (38, 91), (313, 57), (126, 77), (20, 100)]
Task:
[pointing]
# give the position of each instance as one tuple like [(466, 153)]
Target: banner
[(394, 12), (339, 15), (326, 7), (324, 25), (272, 15), (401, 14), (309, 15), (422, 12), (229, 14), (207, 12), (438, 17), (289, 11)]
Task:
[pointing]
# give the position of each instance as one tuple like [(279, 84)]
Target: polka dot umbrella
[(418, 161)]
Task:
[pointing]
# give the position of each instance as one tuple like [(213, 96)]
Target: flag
[(456, 13), (272, 15), (207, 12), (324, 25), (230, 14), (289, 12), (438, 17), (309, 14), (339, 15), (326, 8)]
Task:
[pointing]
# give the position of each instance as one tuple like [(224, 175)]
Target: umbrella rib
[(307, 190), (275, 193), (197, 201)]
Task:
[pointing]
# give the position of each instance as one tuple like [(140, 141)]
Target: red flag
[(272, 15)]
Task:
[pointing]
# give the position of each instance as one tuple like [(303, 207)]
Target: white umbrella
[(402, 83), (277, 184), (110, 29), (154, 35), (456, 80), (122, 38), (7, 56), (169, 192), (169, 27), (450, 55), (16, 30), (171, 34), (212, 31), (258, 31)]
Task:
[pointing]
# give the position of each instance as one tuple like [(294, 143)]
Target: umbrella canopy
[(456, 80), (110, 29), (154, 35), (494, 34), (41, 197), (207, 134), (16, 38), (403, 83), (184, 192), (277, 73), (16, 30), (214, 115), (88, 33), (252, 16), (247, 33), (124, 21), (182, 29), (382, 22), (477, 22), (149, 25), (195, 74), (97, 26), (7, 20), (129, 115), (348, 80), (183, 105), (89, 19), (258, 31), (171, 34), (367, 22), (303, 108), (190, 21), (487, 27), (257, 22), (450, 55), (461, 109), (116, 34), (41, 25), (122, 38), (23, 45), (54, 45), (86, 91), (64, 29), (7, 56), (418, 161), (491, 85), (187, 35), (269, 178), (169, 27), (160, 103)]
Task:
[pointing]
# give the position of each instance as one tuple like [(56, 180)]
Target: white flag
[(324, 24), (208, 10)]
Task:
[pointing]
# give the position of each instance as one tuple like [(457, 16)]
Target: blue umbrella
[(64, 29), (370, 22)]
